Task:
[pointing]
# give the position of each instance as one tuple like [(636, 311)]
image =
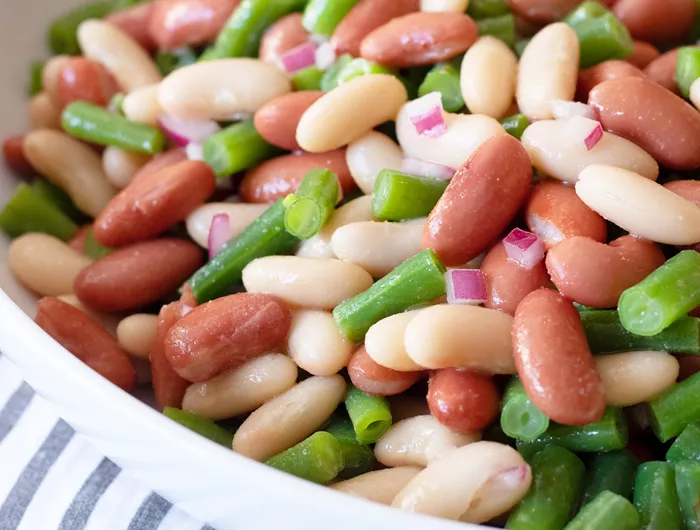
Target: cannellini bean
[(385, 342), (222, 89), (306, 282), (142, 105), (634, 377), (137, 333), (240, 215), (500, 493), (404, 407), (378, 247), (243, 389), (50, 73), (368, 155), (45, 264), (548, 70), (125, 59), (461, 336), (120, 165), (289, 418), (488, 75), (44, 113), (695, 93), (348, 112), (109, 321), (640, 206), (315, 343), (557, 148), (419, 441), (378, 486), (450, 6)]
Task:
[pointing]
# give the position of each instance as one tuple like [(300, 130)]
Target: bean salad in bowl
[(439, 254)]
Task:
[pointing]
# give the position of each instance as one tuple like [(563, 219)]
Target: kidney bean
[(507, 283), (480, 201), (546, 10), (591, 77), (83, 336), (277, 120), (176, 23), (374, 378), (14, 156), (688, 189), (688, 365), (594, 274), (77, 242), (135, 21), (224, 333), (364, 18), (655, 21), (169, 158), (662, 70), (553, 359), (277, 178), (108, 322), (631, 106), (284, 35), (150, 205), (643, 54), (81, 79), (137, 275), (419, 39)]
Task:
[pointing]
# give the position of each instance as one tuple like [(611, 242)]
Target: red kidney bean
[(14, 156), (277, 120), (284, 35), (591, 77), (376, 379), (82, 79), (158, 162), (135, 22), (643, 54), (688, 189), (77, 242), (662, 70), (689, 365), (655, 21), (546, 10)]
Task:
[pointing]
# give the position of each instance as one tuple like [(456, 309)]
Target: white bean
[(695, 93), (378, 486), (242, 390), (639, 205), (137, 333), (316, 344), (44, 113), (384, 342), (142, 105), (289, 418), (500, 493), (240, 215), (449, 6), (50, 73), (120, 165), (368, 155)]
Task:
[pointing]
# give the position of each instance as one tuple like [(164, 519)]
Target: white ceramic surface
[(217, 486)]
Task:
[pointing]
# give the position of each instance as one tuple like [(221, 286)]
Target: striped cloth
[(51, 478)]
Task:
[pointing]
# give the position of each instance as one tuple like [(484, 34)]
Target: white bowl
[(212, 484)]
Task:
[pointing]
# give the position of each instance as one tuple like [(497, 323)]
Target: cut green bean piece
[(417, 280), (359, 458), (36, 83), (675, 408), (444, 78), (520, 418), (501, 27), (59, 198), (688, 488), (515, 125), (312, 205), (236, 148), (399, 196), (687, 445), (613, 471), (687, 68), (116, 104), (602, 36), (63, 38), (319, 458), (99, 126), (200, 425), (608, 511), (479, 9), (321, 17), (370, 415), (266, 236), (170, 61), (586, 11), (329, 81), (93, 249), (557, 477), (308, 78), (359, 67), (656, 498)]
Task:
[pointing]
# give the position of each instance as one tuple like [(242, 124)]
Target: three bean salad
[(443, 255)]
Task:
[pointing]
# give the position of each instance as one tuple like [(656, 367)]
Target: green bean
[(359, 458), (602, 36), (520, 418), (99, 126), (169, 61), (444, 78), (93, 249), (200, 425), (321, 17), (608, 511), (585, 11), (399, 196), (308, 78), (312, 205), (319, 458), (687, 445), (613, 471), (687, 68), (417, 280), (501, 27), (59, 198), (330, 78), (116, 104), (675, 408), (515, 125), (479, 9), (688, 488), (36, 83), (370, 415), (62, 36), (656, 498), (359, 67)]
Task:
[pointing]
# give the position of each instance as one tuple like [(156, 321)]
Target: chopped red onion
[(563, 110), (194, 151), (427, 115), (594, 137), (465, 286), (182, 132), (299, 58), (325, 56), (422, 168), (524, 248), (219, 234), (577, 131)]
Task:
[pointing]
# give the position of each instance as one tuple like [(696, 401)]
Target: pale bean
[(44, 113), (695, 93), (368, 155), (350, 111), (125, 59), (242, 390), (548, 70), (500, 493), (72, 166), (109, 321), (289, 418), (306, 282), (137, 333), (378, 247), (222, 89), (45, 264), (449, 6), (49, 76), (634, 377), (120, 165), (384, 342), (315, 343), (419, 441), (378, 486), (639, 205), (142, 105), (557, 148), (488, 75), (461, 336), (240, 215)]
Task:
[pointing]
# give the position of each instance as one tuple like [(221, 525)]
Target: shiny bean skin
[(14, 156), (315, 343), (643, 54), (240, 216), (284, 35), (137, 334), (243, 389), (107, 321), (654, 21), (449, 6), (81, 79), (629, 106), (368, 155), (662, 70), (160, 161), (142, 105), (289, 418), (43, 112), (378, 486), (176, 23), (135, 21), (545, 10), (377, 380), (120, 166), (553, 359), (595, 274), (688, 189), (589, 78), (384, 342), (480, 201), (277, 120)]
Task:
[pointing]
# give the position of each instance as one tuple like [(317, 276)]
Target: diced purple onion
[(299, 58), (594, 137), (183, 132), (427, 115), (219, 233), (524, 248), (465, 286)]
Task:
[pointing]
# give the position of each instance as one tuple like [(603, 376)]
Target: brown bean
[(135, 22), (480, 201), (277, 120), (150, 205), (77, 242), (507, 283), (643, 54), (595, 274), (225, 333), (82, 79), (553, 359), (278, 177), (137, 275), (554, 212), (376, 379), (545, 10), (591, 77), (656, 120), (461, 400), (689, 365), (83, 336), (655, 21), (662, 70), (160, 161), (14, 156), (176, 23), (688, 189), (284, 35), (364, 18), (418, 39)]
